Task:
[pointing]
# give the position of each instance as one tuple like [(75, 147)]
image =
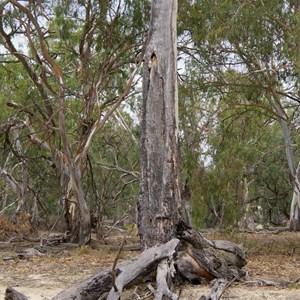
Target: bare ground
[(275, 257)]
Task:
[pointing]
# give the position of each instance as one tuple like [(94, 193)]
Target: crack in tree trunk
[(160, 204)]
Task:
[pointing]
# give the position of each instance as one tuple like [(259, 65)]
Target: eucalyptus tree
[(232, 157), (29, 185), (160, 207), (82, 58), (253, 48)]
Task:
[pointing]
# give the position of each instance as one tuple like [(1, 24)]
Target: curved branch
[(21, 58)]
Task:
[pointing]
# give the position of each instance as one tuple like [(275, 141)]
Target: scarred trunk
[(160, 204)]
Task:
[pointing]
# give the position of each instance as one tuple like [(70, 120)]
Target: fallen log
[(142, 265), (100, 284), (200, 258), (190, 257), (12, 294)]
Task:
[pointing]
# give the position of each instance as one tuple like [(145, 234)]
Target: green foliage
[(233, 55), (92, 47), (238, 53), (114, 163)]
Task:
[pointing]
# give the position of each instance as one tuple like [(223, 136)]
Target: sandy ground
[(189, 293), (244, 293), (34, 293)]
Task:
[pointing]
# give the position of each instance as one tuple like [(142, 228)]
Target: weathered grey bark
[(89, 289), (101, 283), (160, 205), (143, 264), (12, 294), (164, 274), (217, 290), (200, 258)]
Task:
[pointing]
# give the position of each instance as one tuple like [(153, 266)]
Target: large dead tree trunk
[(160, 205)]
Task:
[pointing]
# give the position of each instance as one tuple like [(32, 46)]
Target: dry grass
[(272, 256), (284, 243), (9, 229)]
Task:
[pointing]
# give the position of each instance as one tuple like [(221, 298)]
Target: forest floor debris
[(271, 257)]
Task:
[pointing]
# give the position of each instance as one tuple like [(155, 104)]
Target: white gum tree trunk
[(295, 204)]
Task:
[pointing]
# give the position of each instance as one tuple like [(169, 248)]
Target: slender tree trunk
[(295, 205), (22, 207), (70, 174), (160, 205), (246, 221)]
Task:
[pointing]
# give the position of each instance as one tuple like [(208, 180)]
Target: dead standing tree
[(160, 204), (178, 252), (163, 219)]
